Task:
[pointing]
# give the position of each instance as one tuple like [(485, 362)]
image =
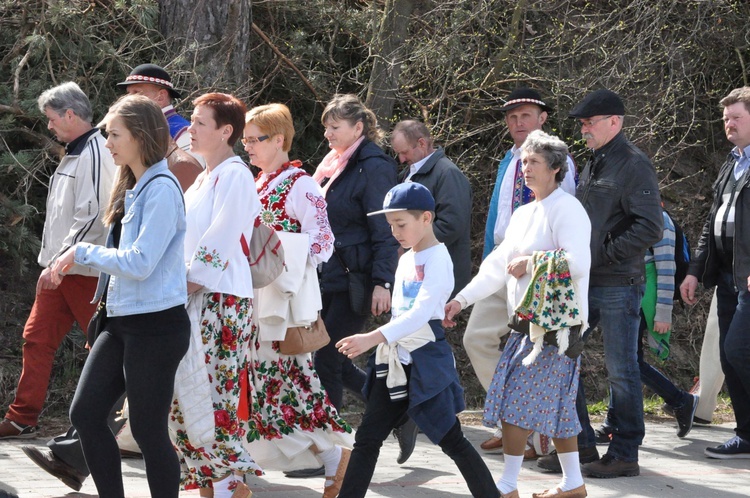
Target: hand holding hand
[(451, 309)]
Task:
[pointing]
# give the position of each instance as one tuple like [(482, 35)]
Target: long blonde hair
[(146, 123)]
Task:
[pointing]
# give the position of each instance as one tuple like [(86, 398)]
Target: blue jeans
[(619, 311), (733, 307)]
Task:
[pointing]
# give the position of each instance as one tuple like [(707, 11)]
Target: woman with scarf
[(545, 253), (354, 176), (292, 424)]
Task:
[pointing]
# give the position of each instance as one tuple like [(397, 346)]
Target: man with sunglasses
[(620, 192)]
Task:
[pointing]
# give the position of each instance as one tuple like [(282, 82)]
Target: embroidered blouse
[(221, 206), (292, 201)]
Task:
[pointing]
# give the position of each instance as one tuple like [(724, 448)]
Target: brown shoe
[(332, 491), (492, 444), (530, 453), (53, 465), (609, 466), (14, 430), (512, 494), (579, 492)]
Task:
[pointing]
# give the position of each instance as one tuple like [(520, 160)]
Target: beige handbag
[(301, 340)]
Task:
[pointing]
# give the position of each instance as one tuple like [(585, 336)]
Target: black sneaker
[(603, 435), (696, 420), (735, 448), (551, 462), (684, 415)]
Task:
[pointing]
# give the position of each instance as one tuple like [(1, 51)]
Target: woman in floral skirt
[(209, 415), (292, 423)]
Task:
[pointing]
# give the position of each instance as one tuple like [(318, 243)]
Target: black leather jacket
[(620, 192), (706, 263)]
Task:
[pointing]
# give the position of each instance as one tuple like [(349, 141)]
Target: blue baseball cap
[(405, 197)]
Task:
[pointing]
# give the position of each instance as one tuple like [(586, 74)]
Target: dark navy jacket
[(364, 243)]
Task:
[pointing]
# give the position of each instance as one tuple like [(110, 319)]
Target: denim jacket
[(147, 269)]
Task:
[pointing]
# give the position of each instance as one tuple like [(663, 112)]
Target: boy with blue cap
[(413, 370)]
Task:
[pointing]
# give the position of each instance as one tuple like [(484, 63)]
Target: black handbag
[(98, 320), (96, 324), (360, 289)]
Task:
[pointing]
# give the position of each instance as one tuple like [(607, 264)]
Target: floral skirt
[(225, 326), (540, 397), (290, 410)]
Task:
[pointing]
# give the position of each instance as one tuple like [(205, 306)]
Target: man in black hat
[(620, 192), (155, 83), (525, 111)]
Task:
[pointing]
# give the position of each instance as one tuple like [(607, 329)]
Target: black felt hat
[(151, 74), (524, 96), (599, 103)]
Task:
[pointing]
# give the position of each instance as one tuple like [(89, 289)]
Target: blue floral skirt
[(540, 397)]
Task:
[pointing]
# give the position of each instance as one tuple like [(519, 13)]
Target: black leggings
[(137, 354)]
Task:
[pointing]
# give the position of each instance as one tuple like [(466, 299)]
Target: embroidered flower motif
[(210, 258)]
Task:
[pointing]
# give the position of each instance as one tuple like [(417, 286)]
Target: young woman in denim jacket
[(147, 329)]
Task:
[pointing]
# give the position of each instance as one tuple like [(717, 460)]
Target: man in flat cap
[(619, 190), (525, 111)]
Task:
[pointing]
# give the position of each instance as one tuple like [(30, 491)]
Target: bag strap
[(179, 189), (338, 256)]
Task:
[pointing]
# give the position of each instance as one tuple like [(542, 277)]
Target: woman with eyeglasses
[(311, 430), (355, 176), (209, 416)]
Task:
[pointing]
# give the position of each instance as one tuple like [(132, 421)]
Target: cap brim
[(383, 211)]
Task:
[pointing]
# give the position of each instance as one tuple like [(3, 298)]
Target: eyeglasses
[(588, 123), (253, 140)]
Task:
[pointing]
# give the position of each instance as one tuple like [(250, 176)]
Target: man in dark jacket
[(412, 142), (723, 259), (619, 190)]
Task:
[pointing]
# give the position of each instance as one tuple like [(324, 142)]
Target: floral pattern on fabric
[(550, 301), (225, 330), (211, 259), (287, 395), (275, 213), (289, 408), (541, 398), (323, 239)]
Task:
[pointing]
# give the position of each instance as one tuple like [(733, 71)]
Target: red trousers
[(51, 319)]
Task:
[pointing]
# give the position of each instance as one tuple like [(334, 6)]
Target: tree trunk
[(213, 34), (388, 53)]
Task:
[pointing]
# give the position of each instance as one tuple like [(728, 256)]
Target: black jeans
[(335, 370), (733, 307), (381, 416), (137, 354)]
